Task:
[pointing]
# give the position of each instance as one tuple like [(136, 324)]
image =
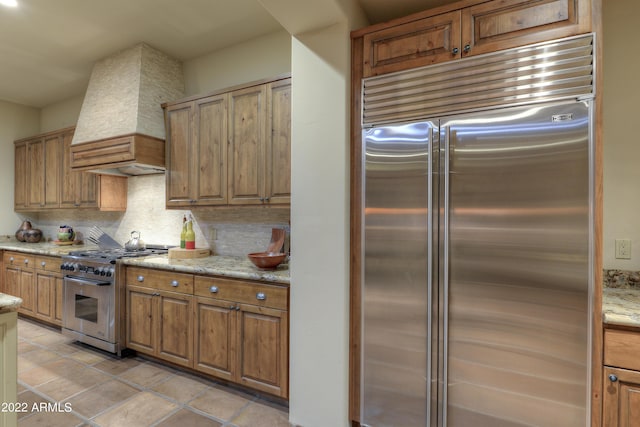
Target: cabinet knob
[(232, 307), (43, 263), (140, 278), (266, 199), (11, 259), (237, 308), (26, 261), (174, 283), (213, 289), (613, 378), (467, 48), (260, 296), (455, 51)]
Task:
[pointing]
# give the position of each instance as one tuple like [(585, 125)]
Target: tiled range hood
[(121, 125)]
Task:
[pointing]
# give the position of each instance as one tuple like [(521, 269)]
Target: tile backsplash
[(232, 231)]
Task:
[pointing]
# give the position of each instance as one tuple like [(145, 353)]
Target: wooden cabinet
[(48, 289), (44, 179), (197, 152), (241, 333), (38, 281), (230, 148), (231, 329), (468, 28), (160, 322), (621, 382), (19, 279)]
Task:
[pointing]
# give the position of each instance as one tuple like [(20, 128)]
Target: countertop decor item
[(183, 253), (32, 235), (267, 260), (26, 225)]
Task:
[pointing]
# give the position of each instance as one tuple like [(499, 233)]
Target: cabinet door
[(78, 189), (58, 300), (52, 171), (12, 282), (140, 322), (246, 145), (35, 174), (210, 172), (621, 399), (497, 25), (45, 287), (278, 148), (20, 176), (415, 44), (178, 154), (175, 328), (27, 292), (263, 349), (215, 338)]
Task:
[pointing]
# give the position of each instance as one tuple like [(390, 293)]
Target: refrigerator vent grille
[(546, 71)]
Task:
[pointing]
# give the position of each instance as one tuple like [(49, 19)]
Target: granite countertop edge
[(217, 265), (621, 307), (9, 303)]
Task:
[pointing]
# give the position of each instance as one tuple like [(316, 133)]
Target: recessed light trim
[(9, 3)]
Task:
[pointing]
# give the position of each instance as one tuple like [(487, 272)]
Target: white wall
[(61, 115), (320, 228), (16, 121), (260, 58), (621, 143)]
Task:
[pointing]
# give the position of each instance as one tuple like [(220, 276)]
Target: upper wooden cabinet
[(468, 28), (230, 148), (44, 179)]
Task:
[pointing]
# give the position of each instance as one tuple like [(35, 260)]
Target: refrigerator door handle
[(446, 167)]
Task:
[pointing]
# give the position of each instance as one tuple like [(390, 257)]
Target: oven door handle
[(88, 282)]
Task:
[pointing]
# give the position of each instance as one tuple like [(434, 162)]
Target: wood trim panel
[(118, 151)]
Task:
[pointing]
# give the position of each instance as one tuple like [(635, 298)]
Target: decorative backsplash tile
[(229, 231), (621, 279)]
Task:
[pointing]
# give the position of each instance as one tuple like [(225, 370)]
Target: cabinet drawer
[(48, 263), (161, 280), (621, 349), (19, 260), (242, 292)]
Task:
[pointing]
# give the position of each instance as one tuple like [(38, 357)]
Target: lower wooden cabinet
[(234, 330), (621, 385), (38, 281)]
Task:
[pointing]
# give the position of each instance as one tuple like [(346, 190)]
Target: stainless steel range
[(92, 300)]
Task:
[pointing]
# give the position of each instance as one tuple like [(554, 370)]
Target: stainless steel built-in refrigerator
[(477, 230)]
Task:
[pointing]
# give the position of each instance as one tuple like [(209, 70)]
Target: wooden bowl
[(267, 260)]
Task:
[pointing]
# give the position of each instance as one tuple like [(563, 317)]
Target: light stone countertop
[(233, 267), (621, 307), (9, 303)]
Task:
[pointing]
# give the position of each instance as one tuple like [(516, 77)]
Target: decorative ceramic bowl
[(267, 260), (65, 237), (32, 236)]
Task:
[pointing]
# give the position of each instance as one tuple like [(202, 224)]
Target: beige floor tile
[(95, 400), (26, 346), (51, 419), (115, 366), (88, 357), (220, 403), (21, 388), (146, 374), (51, 338), (141, 410), (28, 398), (261, 414), (181, 388), (186, 418), (73, 383), (48, 371), (65, 348), (40, 356), (25, 365)]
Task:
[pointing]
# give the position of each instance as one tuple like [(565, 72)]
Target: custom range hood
[(120, 130)]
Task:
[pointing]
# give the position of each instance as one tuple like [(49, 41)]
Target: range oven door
[(88, 308)]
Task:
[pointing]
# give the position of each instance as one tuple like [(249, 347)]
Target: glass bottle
[(190, 236), (183, 233)]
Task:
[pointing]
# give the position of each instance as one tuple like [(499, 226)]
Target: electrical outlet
[(623, 248)]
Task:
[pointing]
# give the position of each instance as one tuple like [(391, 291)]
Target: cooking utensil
[(135, 243), (277, 240), (102, 239)]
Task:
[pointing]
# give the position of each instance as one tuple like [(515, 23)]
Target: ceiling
[(48, 47)]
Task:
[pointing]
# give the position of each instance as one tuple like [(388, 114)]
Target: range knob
[(96, 271), (110, 272)]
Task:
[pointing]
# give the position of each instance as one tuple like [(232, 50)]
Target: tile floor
[(88, 387)]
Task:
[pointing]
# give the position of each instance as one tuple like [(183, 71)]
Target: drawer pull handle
[(174, 283), (260, 296), (613, 378), (213, 289), (140, 278)]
